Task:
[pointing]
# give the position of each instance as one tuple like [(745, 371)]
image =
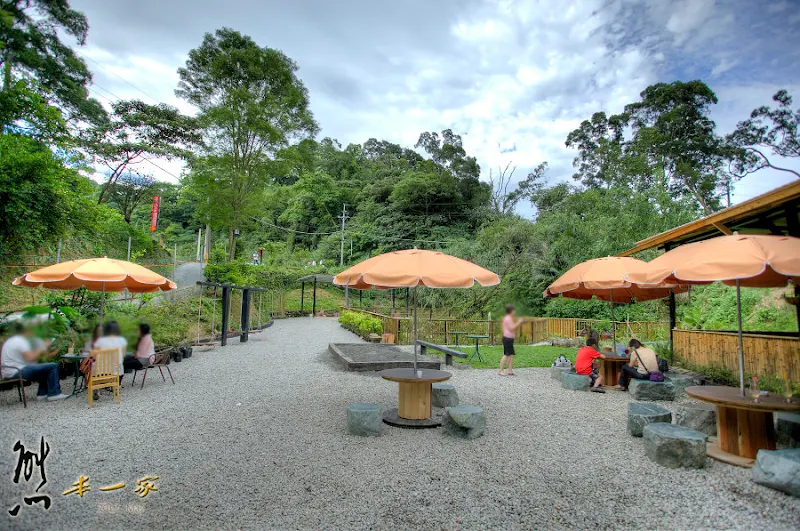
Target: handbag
[(655, 376), (86, 366)]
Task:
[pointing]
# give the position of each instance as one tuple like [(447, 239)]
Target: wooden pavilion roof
[(775, 212)]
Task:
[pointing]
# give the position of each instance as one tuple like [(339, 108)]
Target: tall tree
[(776, 130), (599, 142), (36, 65), (251, 104), (672, 128), (130, 190), (135, 131)]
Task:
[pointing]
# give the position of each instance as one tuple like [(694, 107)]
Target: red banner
[(154, 213)]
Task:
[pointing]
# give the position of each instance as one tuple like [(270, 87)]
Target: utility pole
[(343, 217)]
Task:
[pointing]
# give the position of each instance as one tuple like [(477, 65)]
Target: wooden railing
[(764, 355), (533, 329)]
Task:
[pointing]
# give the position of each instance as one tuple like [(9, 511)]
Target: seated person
[(643, 362), (112, 338), (91, 340), (19, 357), (145, 351), (585, 359)]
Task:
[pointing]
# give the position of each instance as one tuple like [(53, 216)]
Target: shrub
[(360, 323)]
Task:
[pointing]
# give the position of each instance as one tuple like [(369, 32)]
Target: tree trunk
[(231, 244)]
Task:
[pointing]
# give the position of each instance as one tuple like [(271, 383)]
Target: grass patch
[(527, 356)]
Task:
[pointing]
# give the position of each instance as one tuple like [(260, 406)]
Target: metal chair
[(18, 380), (161, 359)]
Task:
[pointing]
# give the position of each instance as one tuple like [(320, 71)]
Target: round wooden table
[(743, 426), (414, 397), (610, 367)]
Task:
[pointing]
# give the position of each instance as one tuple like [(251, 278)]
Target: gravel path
[(254, 436)]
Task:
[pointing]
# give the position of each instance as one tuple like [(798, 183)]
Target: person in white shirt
[(19, 357), (145, 351), (112, 338)]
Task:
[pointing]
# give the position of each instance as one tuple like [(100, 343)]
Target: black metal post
[(672, 324), (245, 316), (361, 298), (314, 304), (226, 306), (302, 294), (406, 302)]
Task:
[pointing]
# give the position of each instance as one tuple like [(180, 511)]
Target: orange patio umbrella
[(96, 274), (415, 267), (605, 278), (751, 260)]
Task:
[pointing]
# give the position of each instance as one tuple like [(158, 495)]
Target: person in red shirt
[(584, 360)]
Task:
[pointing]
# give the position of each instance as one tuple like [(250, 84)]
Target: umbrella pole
[(741, 340), (102, 300), (613, 328), (415, 330)]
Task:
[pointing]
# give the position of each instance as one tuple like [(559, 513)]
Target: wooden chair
[(161, 359), (105, 372)]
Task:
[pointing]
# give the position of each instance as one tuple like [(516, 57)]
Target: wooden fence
[(763, 354), (533, 329)]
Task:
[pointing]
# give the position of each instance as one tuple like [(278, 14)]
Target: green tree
[(135, 131), (41, 200), (776, 130), (251, 104), (31, 49), (131, 190)]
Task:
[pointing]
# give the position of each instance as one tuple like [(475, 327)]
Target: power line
[(120, 77), (295, 231)]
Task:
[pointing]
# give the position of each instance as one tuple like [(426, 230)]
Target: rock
[(641, 414), (444, 395), (648, 391), (364, 419), (468, 422), (674, 446), (788, 429), (700, 417), (779, 470), (556, 372), (575, 382), (681, 381)]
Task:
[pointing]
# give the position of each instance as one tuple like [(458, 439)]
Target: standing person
[(112, 338), (145, 351), (18, 356), (643, 361), (509, 331), (584, 363)]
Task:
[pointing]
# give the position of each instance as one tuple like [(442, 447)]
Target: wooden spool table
[(610, 367), (414, 397), (744, 426)]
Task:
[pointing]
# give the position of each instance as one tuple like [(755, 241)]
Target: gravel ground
[(254, 436)]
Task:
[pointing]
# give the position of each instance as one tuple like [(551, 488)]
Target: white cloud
[(500, 73)]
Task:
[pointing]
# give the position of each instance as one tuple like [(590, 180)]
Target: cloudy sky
[(512, 77)]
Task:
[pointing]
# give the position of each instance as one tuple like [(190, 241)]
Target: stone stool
[(575, 382), (787, 427), (648, 391), (681, 381), (556, 372), (700, 417), (467, 422), (444, 395), (364, 419), (779, 470), (674, 446), (641, 414)]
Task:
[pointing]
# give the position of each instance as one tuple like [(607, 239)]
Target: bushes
[(361, 324)]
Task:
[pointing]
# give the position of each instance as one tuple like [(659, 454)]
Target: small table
[(477, 351), (743, 426), (457, 334), (414, 397), (77, 359), (610, 367)]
